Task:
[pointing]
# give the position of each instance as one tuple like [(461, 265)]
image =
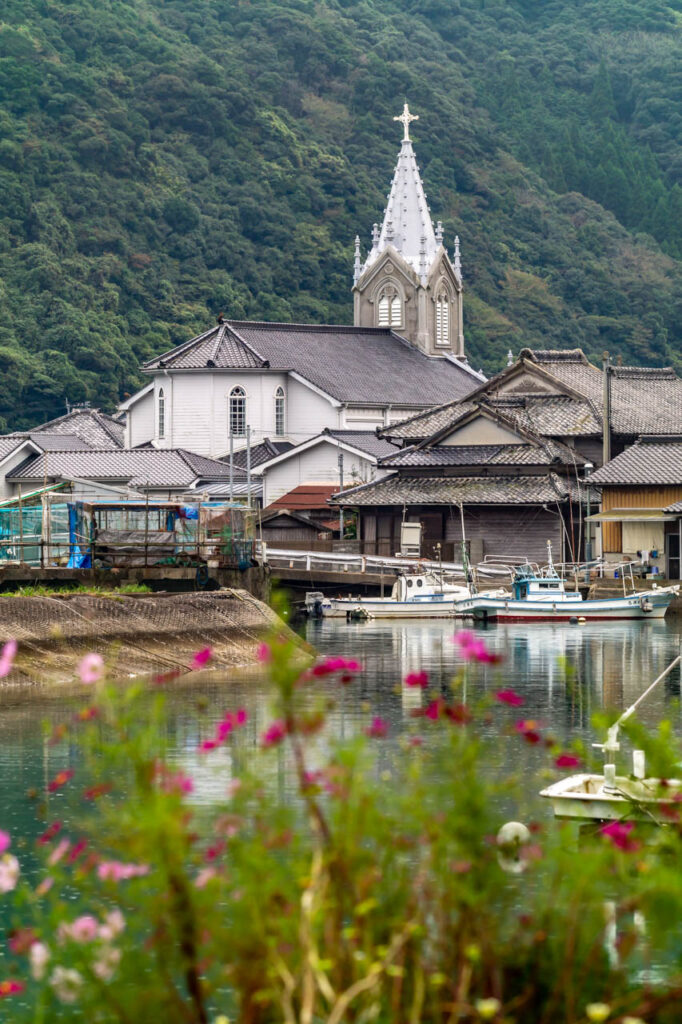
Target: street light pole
[(340, 489)]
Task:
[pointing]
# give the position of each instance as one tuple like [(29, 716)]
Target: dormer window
[(279, 412), (238, 412), (443, 319), (390, 312), (162, 414)]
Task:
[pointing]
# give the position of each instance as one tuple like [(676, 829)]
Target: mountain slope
[(163, 161)]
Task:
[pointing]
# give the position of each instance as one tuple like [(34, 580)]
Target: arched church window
[(390, 308), (238, 412), (443, 319), (162, 413), (279, 412)]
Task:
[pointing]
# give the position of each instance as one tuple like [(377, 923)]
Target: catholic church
[(290, 382)]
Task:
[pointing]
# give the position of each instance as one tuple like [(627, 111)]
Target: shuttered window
[(162, 413), (442, 320), (390, 309)]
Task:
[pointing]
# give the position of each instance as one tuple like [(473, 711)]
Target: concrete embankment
[(138, 635)]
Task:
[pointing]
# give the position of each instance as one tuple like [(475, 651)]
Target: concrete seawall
[(138, 635)]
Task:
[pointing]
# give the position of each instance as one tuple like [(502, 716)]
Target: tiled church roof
[(362, 365)]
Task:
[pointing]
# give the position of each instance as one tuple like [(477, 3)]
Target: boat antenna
[(551, 571)]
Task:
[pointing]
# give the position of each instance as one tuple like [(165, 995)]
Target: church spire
[(407, 222)]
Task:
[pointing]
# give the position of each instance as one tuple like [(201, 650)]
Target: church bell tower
[(407, 281)]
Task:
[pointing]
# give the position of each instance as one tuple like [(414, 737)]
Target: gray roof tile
[(471, 490), (365, 441), (138, 467), (98, 429), (260, 453), (656, 461), (363, 365), (543, 454)]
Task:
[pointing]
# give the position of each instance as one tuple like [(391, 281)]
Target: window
[(279, 412), (390, 308), (443, 319), (238, 412), (162, 413)]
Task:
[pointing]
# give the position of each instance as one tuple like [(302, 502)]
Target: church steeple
[(407, 223), (407, 281)]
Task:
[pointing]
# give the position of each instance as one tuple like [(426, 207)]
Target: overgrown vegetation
[(162, 161), (280, 873), (40, 590)]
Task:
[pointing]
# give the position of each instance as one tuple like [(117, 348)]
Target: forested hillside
[(164, 160)]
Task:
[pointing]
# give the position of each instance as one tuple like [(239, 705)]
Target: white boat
[(423, 595), (612, 797), (540, 595)]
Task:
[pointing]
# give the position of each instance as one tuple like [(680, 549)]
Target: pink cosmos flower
[(264, 653), (5, 841), (274, 734), (7, 656), (78, 848), (10, 988), (9, 872), (50, 832), (117, 871), (567, 761), (172, 782), (229, 722), (529, 730), (618, 832), (91, 668), (114, 924), (204, 877), (332, 665), (84, 929), (515, 700), (38, 957), (60, 779), (473, 649), (201, 658), (433, 710), (60, 849), (378, 729), (94, 792), (420, 679)]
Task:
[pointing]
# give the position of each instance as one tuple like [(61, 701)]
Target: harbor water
[(564, 674)]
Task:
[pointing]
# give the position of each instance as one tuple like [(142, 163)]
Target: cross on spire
[(405, 119)]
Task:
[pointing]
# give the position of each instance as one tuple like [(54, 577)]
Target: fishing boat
[(612, 796), (425, 595), (540, 595)]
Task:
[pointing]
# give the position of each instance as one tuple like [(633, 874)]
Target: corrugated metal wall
[(631, 497)]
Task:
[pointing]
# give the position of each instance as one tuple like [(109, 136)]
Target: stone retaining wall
[(139, 635)]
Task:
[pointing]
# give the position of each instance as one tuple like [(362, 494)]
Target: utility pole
[(231, 466), (340, 489), (606, 413)]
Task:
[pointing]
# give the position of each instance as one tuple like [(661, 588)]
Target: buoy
[(510, 839), (582, 620)]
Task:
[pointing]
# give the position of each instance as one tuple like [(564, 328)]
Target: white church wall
[(140, 422), (308, 412), (317, 465), (357, 418)]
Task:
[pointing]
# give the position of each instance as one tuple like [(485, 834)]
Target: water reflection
[(565, 673)]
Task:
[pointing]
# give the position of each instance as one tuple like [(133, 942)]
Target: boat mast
[(468, 574)]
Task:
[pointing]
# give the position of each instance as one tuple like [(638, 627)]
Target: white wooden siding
[(318, 465), (140, 421)]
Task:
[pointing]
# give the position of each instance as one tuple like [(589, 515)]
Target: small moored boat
[(423, 595), (540, 595)]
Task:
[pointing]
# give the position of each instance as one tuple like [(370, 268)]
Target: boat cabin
[(530, 584), (424, 587)]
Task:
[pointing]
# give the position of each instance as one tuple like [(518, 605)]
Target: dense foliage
[(163, 160)]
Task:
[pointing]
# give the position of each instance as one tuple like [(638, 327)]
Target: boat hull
[(651, 605), (387, 609), (584, 797)]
